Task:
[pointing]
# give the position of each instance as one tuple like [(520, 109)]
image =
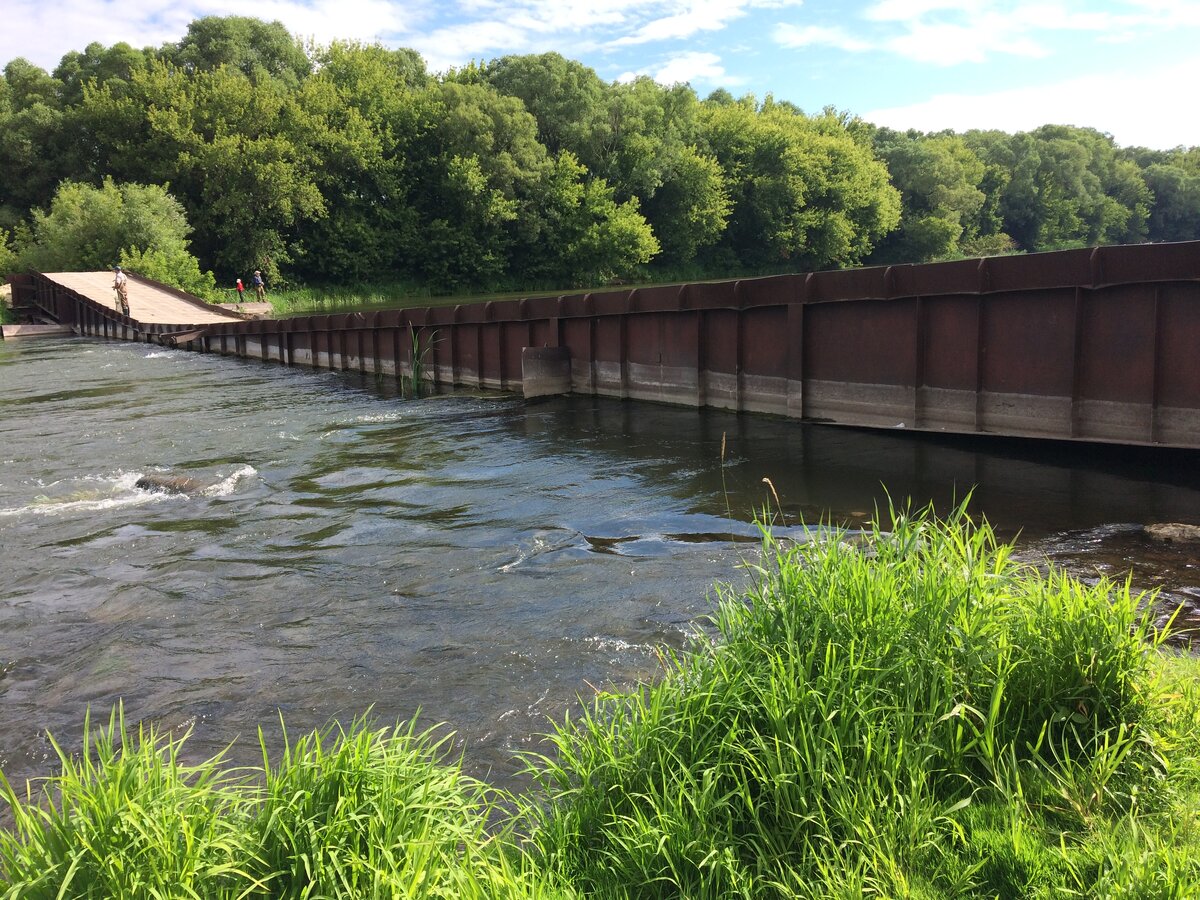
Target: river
[(467, 557)]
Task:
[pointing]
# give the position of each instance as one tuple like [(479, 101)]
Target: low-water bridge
[(1097, 344)]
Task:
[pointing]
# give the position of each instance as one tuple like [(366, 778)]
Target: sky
[(1126, 67)]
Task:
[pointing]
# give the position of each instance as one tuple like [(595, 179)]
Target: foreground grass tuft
[(360, 813), (916, 715), (906, 714)]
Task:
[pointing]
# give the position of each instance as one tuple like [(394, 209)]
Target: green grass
[(920, 717), (318, 300), (910, 715)]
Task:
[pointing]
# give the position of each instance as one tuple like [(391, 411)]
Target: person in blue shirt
[(259, 288)]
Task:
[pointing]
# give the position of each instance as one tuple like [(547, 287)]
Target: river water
[(467, 557)]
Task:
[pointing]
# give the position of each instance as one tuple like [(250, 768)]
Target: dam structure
[(1098, 344)]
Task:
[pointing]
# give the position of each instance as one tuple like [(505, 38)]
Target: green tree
[(8, 255), (938, 177), (93, 228), (568, 100), (34, 148), (97, 64), (1175, 211), (584, 236), (366, 106), (804, 192), (253, 47), (239, 154), (1065, 187), (691, 207), (477, 167)]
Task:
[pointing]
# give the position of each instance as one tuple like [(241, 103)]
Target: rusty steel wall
[(1094, 344)]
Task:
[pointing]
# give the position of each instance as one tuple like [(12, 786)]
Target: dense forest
[(240, 148)]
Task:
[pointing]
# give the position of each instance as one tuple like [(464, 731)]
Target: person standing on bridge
[(121, 286), (260, 289)]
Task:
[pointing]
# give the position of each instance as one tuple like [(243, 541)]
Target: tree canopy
[(351, 162)]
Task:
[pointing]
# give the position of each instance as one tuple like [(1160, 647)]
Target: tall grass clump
[(913, 714), (380, 814), (358, 813), (125, 818)]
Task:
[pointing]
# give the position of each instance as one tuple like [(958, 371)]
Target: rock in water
[(169, 484), (1174, 531)]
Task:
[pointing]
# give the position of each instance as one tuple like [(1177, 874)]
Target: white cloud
[(948, 44), (795, 36), (907, 10), (1131, 106), (949, 32), (691, 67), (697, 16)]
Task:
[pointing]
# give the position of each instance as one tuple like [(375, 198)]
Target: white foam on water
[(110, 492), (229, 484), (117, 491)]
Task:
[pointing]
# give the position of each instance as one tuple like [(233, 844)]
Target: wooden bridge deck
[(147, 302)]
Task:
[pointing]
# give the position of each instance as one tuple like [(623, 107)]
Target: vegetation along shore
[(240, 148), (912, 714)]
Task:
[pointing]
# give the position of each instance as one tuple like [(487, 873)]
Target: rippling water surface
[(470, 557)]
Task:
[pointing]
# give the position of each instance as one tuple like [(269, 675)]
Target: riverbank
[(913, 714)]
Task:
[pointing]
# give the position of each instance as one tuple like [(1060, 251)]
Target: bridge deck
[(147, 303)]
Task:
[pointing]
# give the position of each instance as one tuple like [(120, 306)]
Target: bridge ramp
[(148, 303)]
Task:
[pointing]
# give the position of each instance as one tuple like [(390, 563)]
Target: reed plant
[(912, 715)]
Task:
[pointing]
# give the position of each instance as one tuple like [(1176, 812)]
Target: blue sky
[(1127, 67)]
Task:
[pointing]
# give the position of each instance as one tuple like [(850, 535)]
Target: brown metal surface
[(1093, 344)]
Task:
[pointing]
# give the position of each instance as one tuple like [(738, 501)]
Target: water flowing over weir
[(1095, 345), (472, 557)]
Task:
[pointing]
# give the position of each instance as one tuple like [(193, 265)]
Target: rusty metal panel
[(714, 295), (1034, 271), (720, 337), (958, 277), (865, 342), (678, 341), (1117, 338), (466, 348), (656, 299), (609, 303), (1140, 262), (577, 305), (644, 336), (1029, 341), (1179, 340), (765, 341), (514, 338), (776, 290), (539, 308), (848, 284), (950, 343), (542, 333)]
